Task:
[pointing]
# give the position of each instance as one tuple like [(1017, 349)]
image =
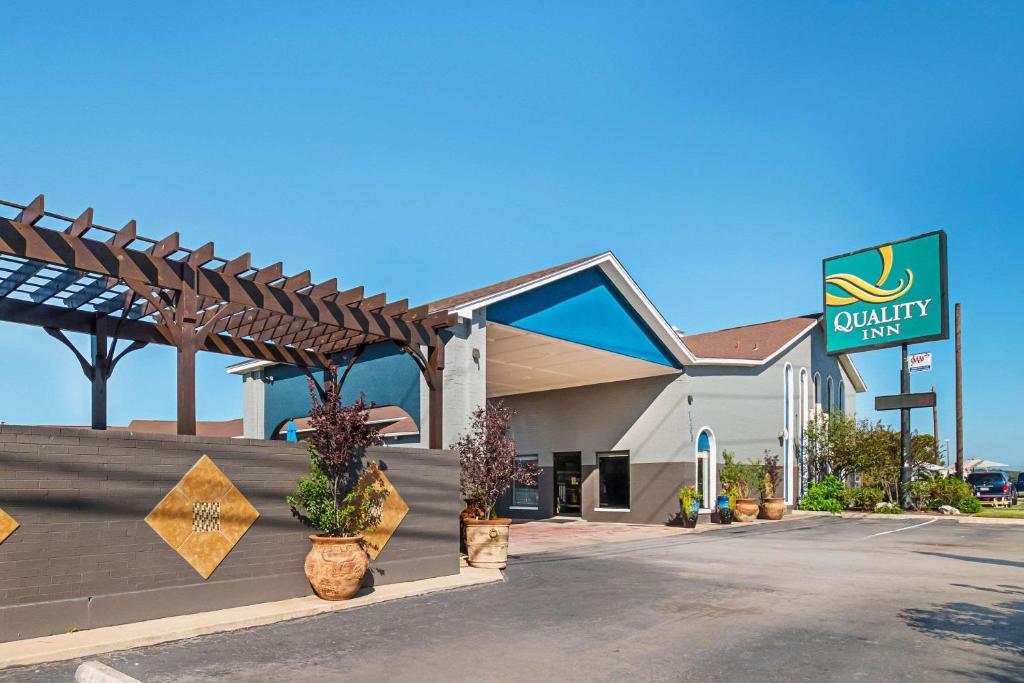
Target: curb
[(65, 646)]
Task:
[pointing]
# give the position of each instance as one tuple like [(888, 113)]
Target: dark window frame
[(517, 487), (613, 494)]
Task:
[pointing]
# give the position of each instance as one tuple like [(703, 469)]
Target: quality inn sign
[(888, 295)]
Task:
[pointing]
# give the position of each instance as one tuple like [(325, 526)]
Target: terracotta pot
[(773, 508), (487, 542), (336, 565), (473, 510), (746, 509)]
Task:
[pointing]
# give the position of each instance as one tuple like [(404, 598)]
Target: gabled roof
[(465, 303), (759, 342), (460, 300)]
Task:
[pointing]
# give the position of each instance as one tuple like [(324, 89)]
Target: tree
[(340, 497), (831, 445), (487, 454), (841, 445)]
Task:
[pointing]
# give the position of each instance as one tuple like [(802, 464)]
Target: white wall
[(465, 378)]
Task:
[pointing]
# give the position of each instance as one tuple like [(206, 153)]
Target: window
[(787, 428), (801, 426), (817, 393), (524, 496), (842, 396), (829, 404), (705, 469), (613, 480)]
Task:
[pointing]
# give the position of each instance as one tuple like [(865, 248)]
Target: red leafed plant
[(340, 497), (487, 454)]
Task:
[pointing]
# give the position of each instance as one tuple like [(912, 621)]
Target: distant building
[(619, 408)]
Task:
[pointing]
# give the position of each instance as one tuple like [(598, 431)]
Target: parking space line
[(906, 528)]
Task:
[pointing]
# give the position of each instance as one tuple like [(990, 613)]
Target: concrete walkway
[(543, 536), (127, 636)]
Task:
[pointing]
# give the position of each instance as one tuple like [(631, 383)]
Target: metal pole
[(905, 473), (959, 398), (935, 426)]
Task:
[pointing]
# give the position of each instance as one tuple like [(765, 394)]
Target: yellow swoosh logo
[(861, 290)]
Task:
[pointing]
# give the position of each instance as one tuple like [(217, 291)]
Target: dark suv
[(992, 486)]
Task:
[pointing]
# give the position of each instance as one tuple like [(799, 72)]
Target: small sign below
[(920, 362), (900, 401)]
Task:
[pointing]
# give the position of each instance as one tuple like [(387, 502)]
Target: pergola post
[(99, 375), (99, 366), (185, 312), (435, 368)]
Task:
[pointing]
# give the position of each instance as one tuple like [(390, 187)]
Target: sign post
[(891, 295)]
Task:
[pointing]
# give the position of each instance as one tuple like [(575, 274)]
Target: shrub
[(889, 509), (826, 495), (969, 505), (949, 491), (769, 475), (687, 497), (745, 477), (487, 455), (920, 492), (862, 497), (340, 497)]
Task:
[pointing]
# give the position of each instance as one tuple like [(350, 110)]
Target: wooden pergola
[(115, 284)]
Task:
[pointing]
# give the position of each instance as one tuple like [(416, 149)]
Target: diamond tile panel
[(7, 525), (203, 517), (394, 511)]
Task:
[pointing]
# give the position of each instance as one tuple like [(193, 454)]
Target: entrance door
[(568, 499)]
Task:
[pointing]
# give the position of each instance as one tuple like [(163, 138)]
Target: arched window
[(801, 425), (817, 393), (829, 399), (842, 396), (787, 431), (706, 466)]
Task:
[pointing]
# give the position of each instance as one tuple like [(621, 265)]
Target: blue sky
[(720, 149)]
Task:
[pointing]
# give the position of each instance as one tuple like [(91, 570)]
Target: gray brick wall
[(83, 556)]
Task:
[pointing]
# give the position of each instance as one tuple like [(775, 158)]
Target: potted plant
[(725, 503), (744, 478), (771, 507), (689, 505), (340, 497), (487, 455)]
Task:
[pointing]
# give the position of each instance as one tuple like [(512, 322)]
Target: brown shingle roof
[(226, 428), (451, 302), (749, 342)]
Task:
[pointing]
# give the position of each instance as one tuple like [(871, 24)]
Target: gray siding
[(658, 420)]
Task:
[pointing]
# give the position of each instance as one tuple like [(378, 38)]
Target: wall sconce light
[(476, 354), (689, 399)]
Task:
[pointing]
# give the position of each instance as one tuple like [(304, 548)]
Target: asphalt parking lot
[(818, 599)]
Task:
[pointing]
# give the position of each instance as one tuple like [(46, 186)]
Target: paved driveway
[(819, 599)]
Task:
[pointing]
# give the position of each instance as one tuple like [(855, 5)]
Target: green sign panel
[(888, 295)]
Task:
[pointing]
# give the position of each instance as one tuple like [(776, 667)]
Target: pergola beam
[(84, 254)]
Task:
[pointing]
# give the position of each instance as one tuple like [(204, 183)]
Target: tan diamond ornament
[(7, 525), (203, 517), (393, 512)]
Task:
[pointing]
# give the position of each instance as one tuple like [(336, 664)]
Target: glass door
[(568, 499)]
